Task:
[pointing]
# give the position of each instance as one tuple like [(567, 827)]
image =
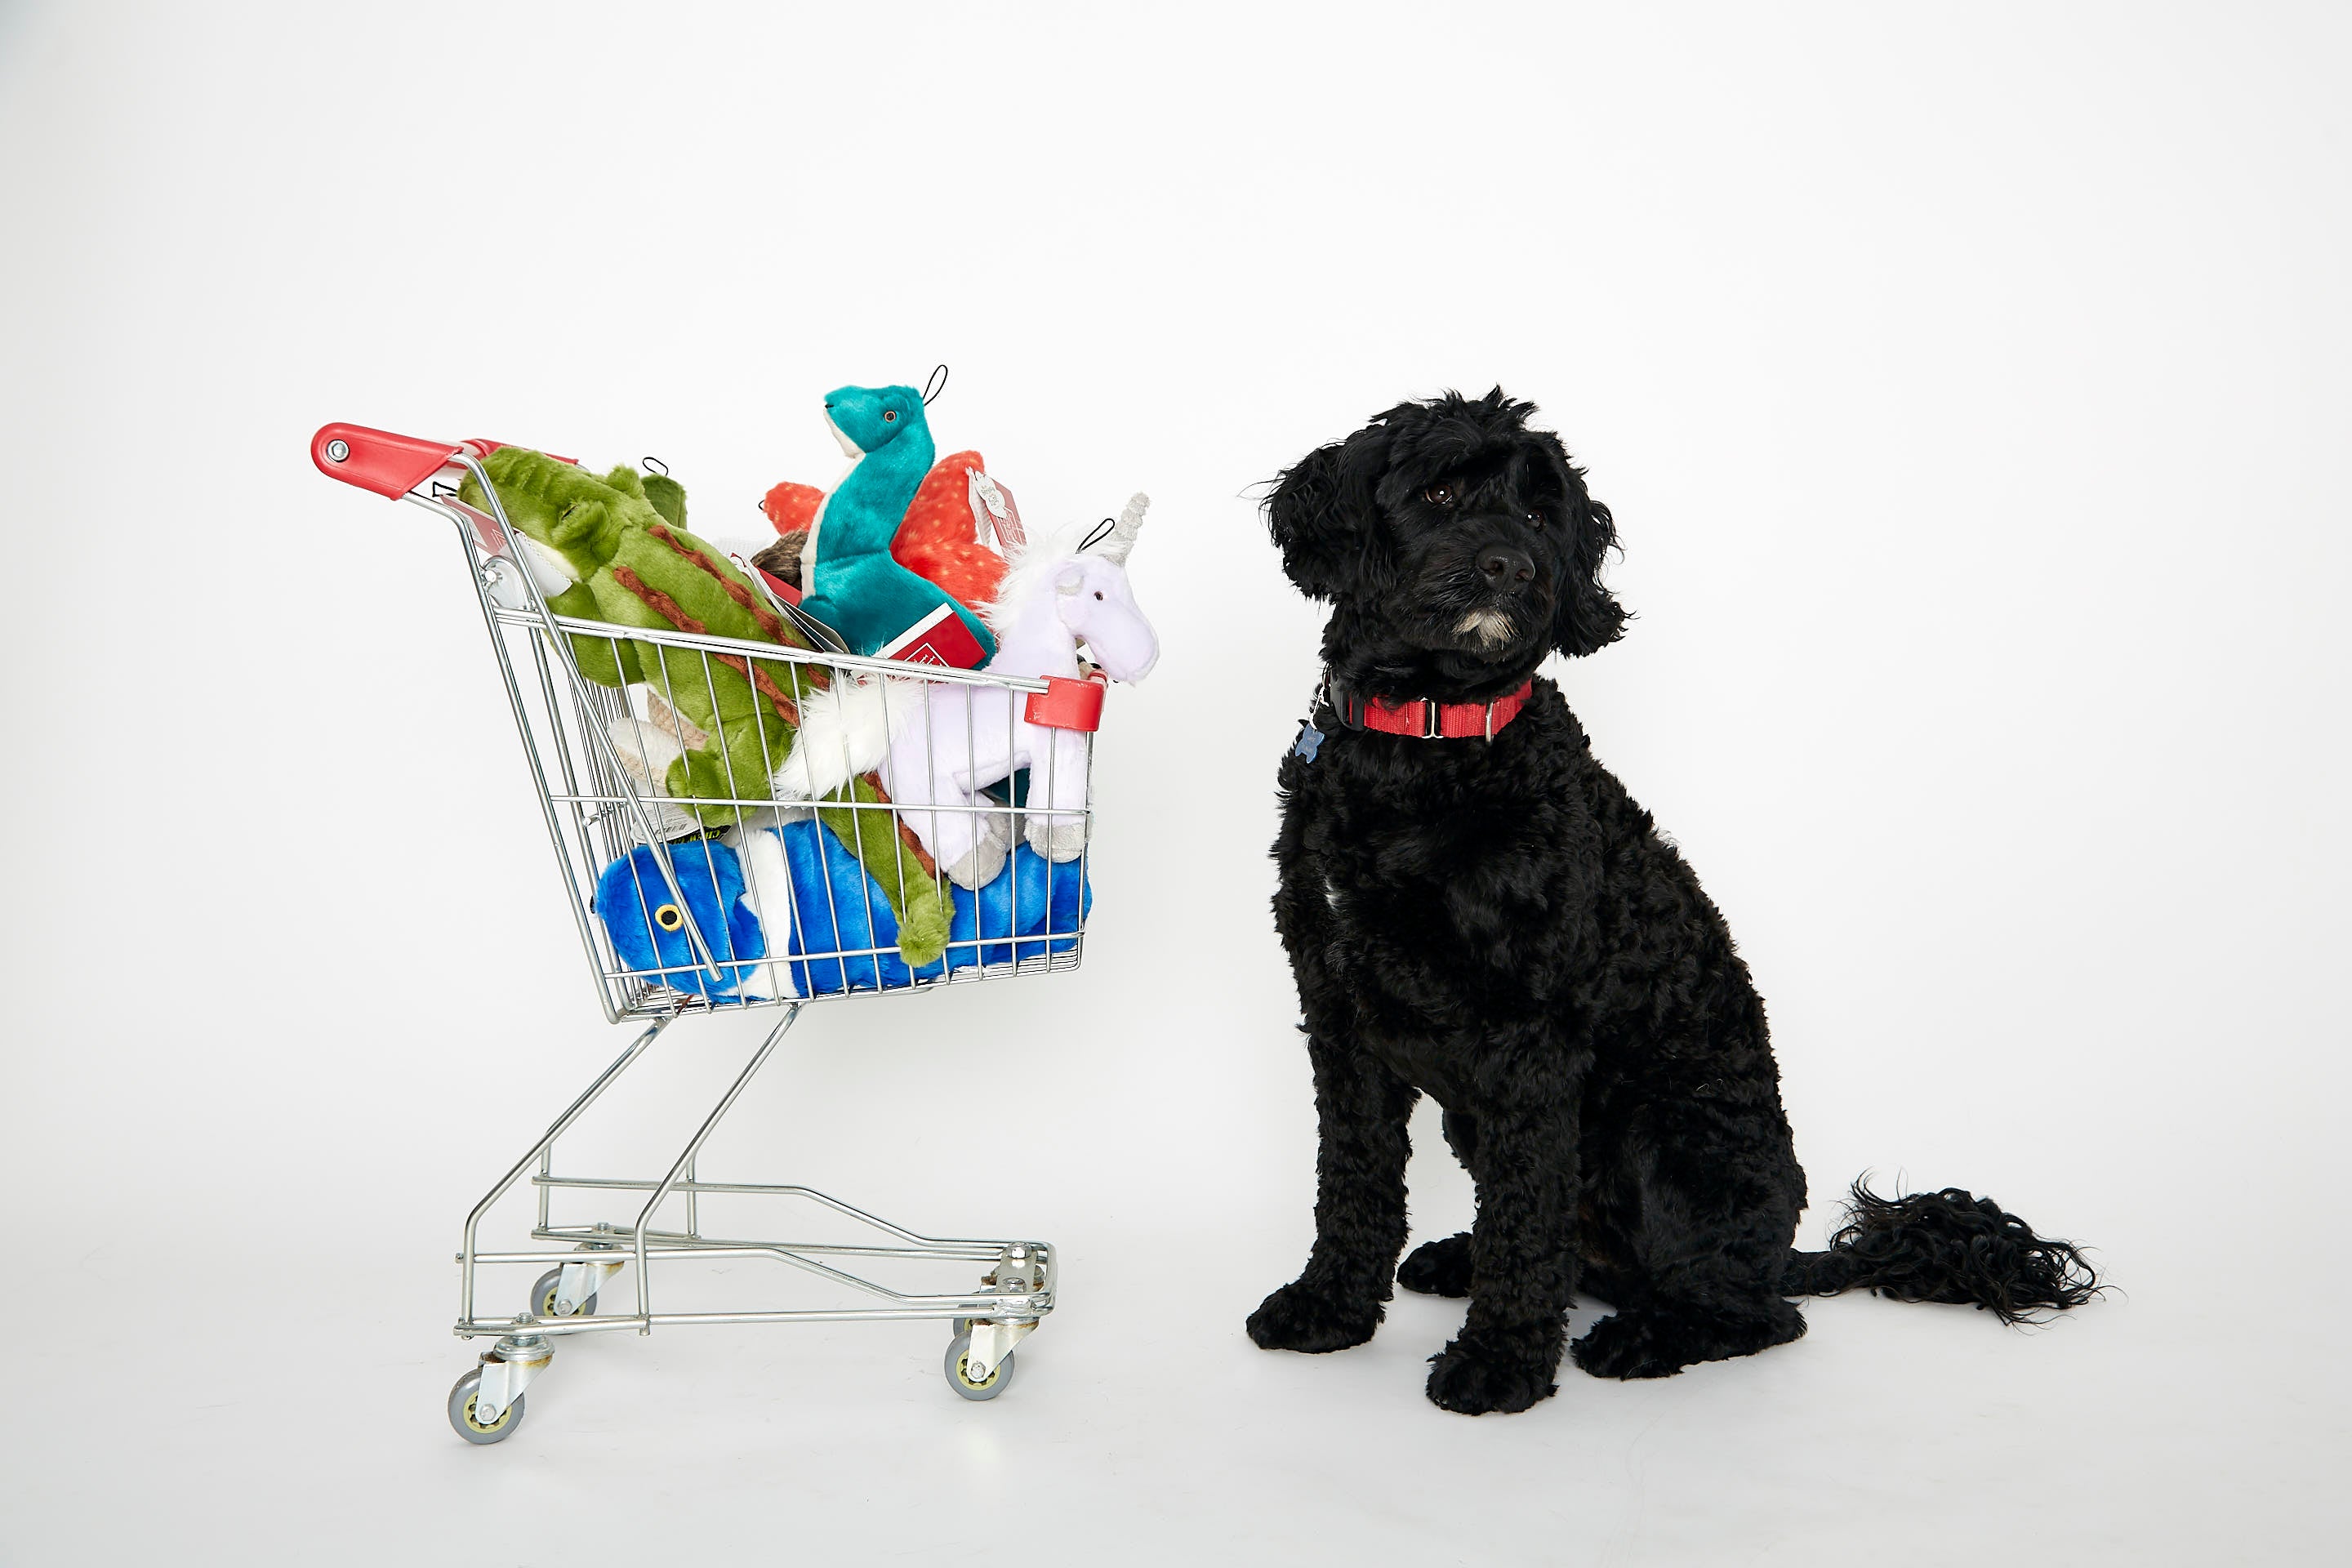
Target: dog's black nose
[(1506, 568)]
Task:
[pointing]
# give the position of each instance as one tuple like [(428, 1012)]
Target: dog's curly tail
[(1948, 1245)]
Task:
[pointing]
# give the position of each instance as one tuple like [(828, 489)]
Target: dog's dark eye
[(889, 417), (1439, 495), (1535, 519)]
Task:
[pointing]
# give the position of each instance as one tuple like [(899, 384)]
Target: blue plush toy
[(855, 585), (1032, 908), (838, 908), (648, 929)]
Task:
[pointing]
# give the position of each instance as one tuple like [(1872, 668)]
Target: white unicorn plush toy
[(963, 738)]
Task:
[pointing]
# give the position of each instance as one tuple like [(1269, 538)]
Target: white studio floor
[(292, 1411)]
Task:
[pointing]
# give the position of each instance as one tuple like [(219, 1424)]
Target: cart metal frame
[(595, 810)]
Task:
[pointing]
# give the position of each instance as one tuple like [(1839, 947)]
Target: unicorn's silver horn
[(1122, 536)]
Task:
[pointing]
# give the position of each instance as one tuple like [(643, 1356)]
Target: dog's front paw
[(1439, 1267), (1300, 1318), (1486, 1369)]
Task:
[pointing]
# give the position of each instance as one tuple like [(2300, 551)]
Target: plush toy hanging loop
[(1117, 536), (935, 384), (653, 466)]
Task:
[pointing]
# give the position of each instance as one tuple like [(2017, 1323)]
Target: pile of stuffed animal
[(832, 827)]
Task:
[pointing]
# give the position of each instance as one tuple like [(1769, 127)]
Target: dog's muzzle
[(1489, 626)]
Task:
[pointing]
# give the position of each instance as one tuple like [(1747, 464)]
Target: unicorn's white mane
[(1025, 570), (1027, 567)]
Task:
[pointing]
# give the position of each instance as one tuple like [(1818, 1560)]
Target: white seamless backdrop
[(1970, 390)]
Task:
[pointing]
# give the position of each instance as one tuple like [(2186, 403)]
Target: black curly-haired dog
[(1476, 910)]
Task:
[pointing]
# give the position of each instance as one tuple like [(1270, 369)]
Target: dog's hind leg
[(1442, 1268), (1702, 1211), (1439, 1267), (1359, 1213), (1661, 1338), (1667, 1335)]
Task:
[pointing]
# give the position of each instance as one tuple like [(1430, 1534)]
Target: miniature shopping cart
[(605, 809)]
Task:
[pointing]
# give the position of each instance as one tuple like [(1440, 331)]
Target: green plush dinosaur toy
[(622, 541)]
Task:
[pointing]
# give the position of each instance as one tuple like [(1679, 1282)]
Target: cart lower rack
[(752, 895)]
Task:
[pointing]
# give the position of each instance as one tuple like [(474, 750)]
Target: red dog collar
[(1427, 720)]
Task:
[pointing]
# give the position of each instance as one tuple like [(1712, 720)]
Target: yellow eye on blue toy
[(648, 917)]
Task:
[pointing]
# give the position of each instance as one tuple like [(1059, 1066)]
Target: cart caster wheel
[(959, 1378), (461, 1412), (543, 1298)]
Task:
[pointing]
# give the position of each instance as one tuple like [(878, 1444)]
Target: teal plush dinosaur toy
[(853, 583)]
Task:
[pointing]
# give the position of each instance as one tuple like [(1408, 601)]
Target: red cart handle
[(378, 460), (392, 465)]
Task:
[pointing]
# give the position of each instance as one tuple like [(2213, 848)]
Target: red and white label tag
[(940, 639), (993, 510)]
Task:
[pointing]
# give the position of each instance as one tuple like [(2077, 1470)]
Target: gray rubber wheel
[(958, 1379), (543, 1298), (461, 1413)]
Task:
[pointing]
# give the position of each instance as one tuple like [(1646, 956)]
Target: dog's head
[(1456, 546)]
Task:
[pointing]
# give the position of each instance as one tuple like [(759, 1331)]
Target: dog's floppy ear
[(1308, 516), (1588, 618)]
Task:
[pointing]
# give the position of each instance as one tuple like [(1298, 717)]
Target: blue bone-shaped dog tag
[(1309, 739)]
